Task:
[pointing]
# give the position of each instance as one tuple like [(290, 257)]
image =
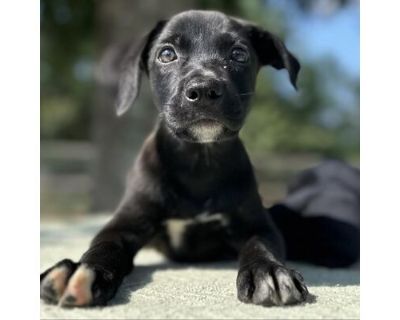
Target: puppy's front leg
[(95, 278), (263, 278)]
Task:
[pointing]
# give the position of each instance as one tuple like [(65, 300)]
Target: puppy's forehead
[(196, 26)]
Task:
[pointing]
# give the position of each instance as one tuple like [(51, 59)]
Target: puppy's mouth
[(204, 131)]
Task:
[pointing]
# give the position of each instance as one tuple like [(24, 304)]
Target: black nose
[(204, 90)]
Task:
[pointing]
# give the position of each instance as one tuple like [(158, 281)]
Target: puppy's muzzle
[(204, 91)]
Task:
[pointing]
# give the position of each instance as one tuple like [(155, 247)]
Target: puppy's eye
[(167, 55), (239, 55)]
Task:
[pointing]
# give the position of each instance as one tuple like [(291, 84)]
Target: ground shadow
[(142, 275), (314, 276)]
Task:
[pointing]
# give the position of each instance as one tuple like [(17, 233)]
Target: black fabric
[(320, 216)]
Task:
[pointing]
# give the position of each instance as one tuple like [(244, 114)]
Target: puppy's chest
[(201, 227)]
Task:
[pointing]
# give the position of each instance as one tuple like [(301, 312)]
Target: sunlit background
[(86, 150)]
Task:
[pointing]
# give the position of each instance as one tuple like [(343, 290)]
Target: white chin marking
[(206, 132)]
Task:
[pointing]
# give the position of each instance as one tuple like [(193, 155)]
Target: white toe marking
[(58, 277), (80, 285)]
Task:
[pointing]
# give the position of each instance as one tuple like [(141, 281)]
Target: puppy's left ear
[(135, 62), (272, 51)]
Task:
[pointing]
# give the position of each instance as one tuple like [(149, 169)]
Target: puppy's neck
[(201, 169), (183, 152)]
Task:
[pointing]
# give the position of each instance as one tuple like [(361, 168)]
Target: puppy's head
[(202, 67)]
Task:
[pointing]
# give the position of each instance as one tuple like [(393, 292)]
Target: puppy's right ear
[(272, 51), (135, 62)]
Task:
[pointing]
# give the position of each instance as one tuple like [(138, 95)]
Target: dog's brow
[(177, 39), (228, 39), (231, 35)]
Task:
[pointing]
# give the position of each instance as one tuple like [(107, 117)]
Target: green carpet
[(157, 289)]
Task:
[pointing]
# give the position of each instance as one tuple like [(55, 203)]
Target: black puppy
[(192, 190)]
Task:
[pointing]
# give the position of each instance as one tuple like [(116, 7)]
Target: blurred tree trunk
[(117, 140)]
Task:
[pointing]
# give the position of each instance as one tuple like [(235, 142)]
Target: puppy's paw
[(71, 284), (267, 283)]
